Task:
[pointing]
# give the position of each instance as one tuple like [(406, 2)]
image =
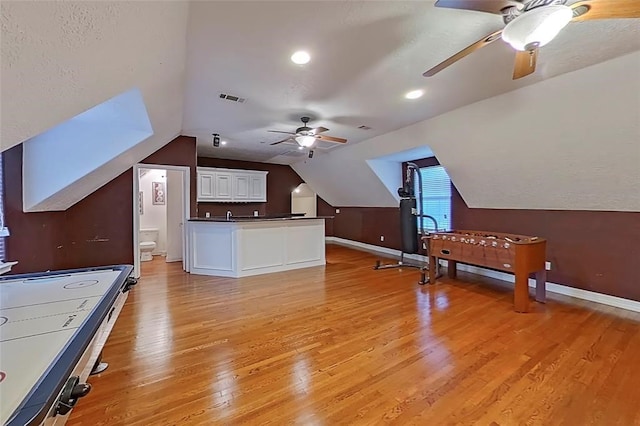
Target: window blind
[(436, 197)]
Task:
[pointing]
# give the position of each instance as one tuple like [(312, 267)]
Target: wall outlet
[(337, 211), (381, 237), (207, 214), (547, 266), (255, 212)]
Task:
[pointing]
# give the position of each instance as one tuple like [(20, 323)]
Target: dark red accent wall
[(591, 250), (96, 231), (281, 181)]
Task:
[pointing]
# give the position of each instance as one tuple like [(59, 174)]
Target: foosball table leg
[(452, 268), (521, 292), (541, 286)]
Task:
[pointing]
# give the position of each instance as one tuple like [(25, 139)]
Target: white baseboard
[(578, 293)]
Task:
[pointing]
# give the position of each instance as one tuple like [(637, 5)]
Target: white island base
[(252, 247)]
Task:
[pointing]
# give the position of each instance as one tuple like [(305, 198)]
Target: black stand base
[(400, 264)]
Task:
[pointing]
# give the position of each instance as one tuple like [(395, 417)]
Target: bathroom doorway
[(304, 200), (161, 208)]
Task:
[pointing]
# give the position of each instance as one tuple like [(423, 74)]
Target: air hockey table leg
[(99, 366)]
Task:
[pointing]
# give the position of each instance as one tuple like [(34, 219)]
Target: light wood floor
[(344, 344)]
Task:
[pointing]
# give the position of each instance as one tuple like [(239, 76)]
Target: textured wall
[(281, 181), (569, 142), (96, 231), (592, 250), (61, 58)]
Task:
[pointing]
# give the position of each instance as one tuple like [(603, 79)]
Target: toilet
[(148, 238)]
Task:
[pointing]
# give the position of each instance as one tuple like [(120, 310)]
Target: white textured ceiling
[(365, 56), (61, 58), (571, 142)]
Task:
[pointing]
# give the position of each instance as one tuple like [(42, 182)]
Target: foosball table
[(518, 254)]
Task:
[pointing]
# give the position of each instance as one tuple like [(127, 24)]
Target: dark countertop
[(254, 218)]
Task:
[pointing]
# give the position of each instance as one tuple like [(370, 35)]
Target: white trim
[(578, 293), (6, 266), (186, 199)]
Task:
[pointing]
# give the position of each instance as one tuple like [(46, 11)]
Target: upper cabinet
[(230, 185)]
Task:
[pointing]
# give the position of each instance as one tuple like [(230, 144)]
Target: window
[(436, 197), (2, 224)]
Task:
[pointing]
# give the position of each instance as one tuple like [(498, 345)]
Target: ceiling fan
[(306, 136), (530, 24)]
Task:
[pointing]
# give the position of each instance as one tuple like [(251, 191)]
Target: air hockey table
[(53, 326)]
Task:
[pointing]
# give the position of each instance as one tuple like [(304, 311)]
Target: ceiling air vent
[(232, 98), (363, 127)]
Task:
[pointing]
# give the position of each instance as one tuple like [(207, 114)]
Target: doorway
[(304, 200), (161, 208)]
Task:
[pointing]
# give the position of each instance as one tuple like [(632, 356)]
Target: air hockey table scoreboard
[(53, 326)]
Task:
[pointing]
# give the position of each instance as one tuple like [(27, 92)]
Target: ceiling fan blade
[(331, 139), (278, 131), (319, 130), (525, 63), (461, 54), (283, 140), (489, 6), (609, 9)]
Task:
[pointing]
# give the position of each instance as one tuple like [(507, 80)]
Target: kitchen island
[(244, 246)]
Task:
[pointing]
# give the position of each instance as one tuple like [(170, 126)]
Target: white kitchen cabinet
[(206, 186), (230, 185), (258, 187), (223, 186), (240, 186)]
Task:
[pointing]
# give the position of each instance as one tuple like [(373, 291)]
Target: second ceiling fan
[(306, 136), (530, 24)]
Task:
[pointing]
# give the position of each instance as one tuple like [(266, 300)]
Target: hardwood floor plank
[(345, 344)]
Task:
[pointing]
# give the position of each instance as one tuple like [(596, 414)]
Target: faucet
[(229, 214)]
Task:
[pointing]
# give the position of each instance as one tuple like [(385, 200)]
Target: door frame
[(186, 211)]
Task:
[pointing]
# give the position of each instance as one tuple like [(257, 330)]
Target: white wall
[(154, 216), (62, 58), (304, 200), (175, 215), (59, 159), (570, 143), (305, 205)]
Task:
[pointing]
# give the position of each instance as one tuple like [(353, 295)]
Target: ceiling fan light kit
[(300, 57), (537, 27), (306, 136), (305, 140), (530, 24)]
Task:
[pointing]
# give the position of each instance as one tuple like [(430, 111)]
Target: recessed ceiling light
[(223, 143), (300, 57), (414, 94), (301, 147)]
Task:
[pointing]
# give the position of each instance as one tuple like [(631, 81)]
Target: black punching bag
[(409, 225)]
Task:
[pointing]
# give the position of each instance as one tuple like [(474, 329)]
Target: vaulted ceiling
[(61, 58), (365, 56)]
